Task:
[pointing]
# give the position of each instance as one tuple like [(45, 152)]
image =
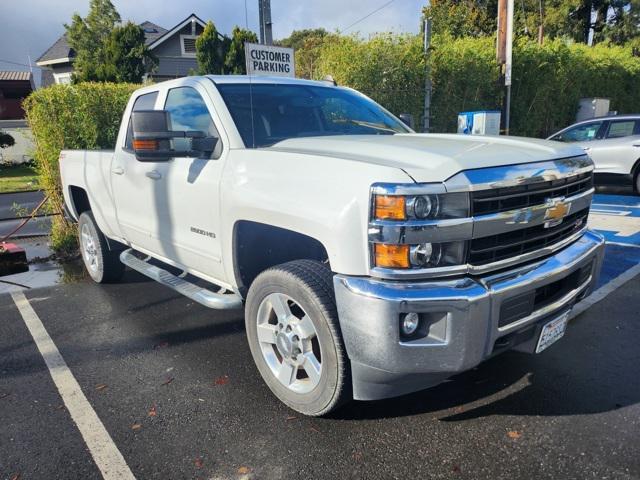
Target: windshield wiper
[(362, 123)]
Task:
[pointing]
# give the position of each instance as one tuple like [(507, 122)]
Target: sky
[(29, 27)]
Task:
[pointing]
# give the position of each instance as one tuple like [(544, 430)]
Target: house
[(14, 88), (175, 49)]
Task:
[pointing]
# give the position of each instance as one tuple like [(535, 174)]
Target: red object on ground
[(13, 259)]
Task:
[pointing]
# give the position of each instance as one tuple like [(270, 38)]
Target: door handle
[(154, 175), (586, 149), (118, 170)]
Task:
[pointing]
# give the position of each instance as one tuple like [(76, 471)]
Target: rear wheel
[(636, 182), (103, 265), (294, 336)]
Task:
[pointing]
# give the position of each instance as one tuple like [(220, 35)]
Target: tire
[(288, 301), (636, 182), (103, 265)]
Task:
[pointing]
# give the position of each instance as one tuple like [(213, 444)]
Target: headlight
[(421, 207), (418, 226)]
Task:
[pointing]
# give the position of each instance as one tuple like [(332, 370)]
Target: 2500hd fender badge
[(199, 231)]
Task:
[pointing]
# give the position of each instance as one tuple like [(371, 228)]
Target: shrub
[(548, 80), (68, 117)]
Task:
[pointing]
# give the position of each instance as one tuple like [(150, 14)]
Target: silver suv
[(613, 143)]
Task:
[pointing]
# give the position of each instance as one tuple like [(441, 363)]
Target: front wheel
[(636, 182), (102, 264), (294, 336)]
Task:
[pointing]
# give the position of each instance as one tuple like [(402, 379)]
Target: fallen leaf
[(243, 470), (456, 469), (161, 345), (223, 380), (514, 434), (136, 426), (357, 456), (167, 381), (4, 395), (101, 386), (16, 477), (60, 407), (458, 410), (198, 462), (153, 412), (314, 429), (291, 417)]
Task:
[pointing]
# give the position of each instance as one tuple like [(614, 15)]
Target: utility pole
[(504, 56), (266, 35), (427, 81)]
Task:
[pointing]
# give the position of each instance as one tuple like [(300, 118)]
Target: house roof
[(15, 76), (152, 32), (175, 30), (59, 52)]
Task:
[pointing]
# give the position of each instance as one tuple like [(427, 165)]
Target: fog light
[(409, 323)]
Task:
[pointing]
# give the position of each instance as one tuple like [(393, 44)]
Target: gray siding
[(171, 63), (171, 47), (172, 67)]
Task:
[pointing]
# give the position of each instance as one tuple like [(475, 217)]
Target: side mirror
[(407, 119), (152, 137)]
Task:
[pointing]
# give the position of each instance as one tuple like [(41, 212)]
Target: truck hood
[(431, 157)]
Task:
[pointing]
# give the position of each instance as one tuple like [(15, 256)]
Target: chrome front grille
[(499, 247), (498, 200)]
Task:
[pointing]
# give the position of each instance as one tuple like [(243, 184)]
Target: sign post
[(269, 60), (504, 54)]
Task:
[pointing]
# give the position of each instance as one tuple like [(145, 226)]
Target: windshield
[(281, 112)]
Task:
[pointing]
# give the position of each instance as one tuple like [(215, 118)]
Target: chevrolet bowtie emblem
[(557, 209)]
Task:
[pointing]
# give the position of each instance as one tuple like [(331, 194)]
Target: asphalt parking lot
[(177, 392)]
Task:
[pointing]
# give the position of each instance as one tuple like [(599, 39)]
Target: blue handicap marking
[(617, 217)]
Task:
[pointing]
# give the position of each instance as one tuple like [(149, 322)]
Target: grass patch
[(18, 178)]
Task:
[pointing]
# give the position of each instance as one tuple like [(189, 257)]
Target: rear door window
[(143, 102), (622, 128)]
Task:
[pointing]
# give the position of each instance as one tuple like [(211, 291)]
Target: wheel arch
[(79, 201), (258, 246)]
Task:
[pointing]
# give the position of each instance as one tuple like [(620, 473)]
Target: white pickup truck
[(371, 261)]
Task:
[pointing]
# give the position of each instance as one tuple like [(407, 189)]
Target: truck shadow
[(586, 373)]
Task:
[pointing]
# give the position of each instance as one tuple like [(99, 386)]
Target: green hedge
[(548, 80), (67, 117)]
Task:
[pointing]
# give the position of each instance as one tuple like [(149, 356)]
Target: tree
[(298, 38), (88, 38), (463, 18), (616, 21), (6, 140), (127, 56), (306, 44), (235, 61), (211, 51)]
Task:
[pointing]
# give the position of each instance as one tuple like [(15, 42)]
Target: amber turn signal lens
[(145, 144), (391, 256), (390, 207)]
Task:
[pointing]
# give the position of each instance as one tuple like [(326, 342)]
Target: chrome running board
[(219, 301)]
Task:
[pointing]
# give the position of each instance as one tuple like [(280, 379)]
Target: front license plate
[(552, 332)]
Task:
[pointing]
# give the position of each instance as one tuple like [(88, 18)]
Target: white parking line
[(605, 290), (104, 452)]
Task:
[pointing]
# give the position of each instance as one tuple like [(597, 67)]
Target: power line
[(368, 15)]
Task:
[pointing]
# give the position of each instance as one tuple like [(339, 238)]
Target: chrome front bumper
[(463, 314)]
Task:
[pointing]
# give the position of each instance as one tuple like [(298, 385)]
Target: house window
[(62, 78), (188, 44)]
